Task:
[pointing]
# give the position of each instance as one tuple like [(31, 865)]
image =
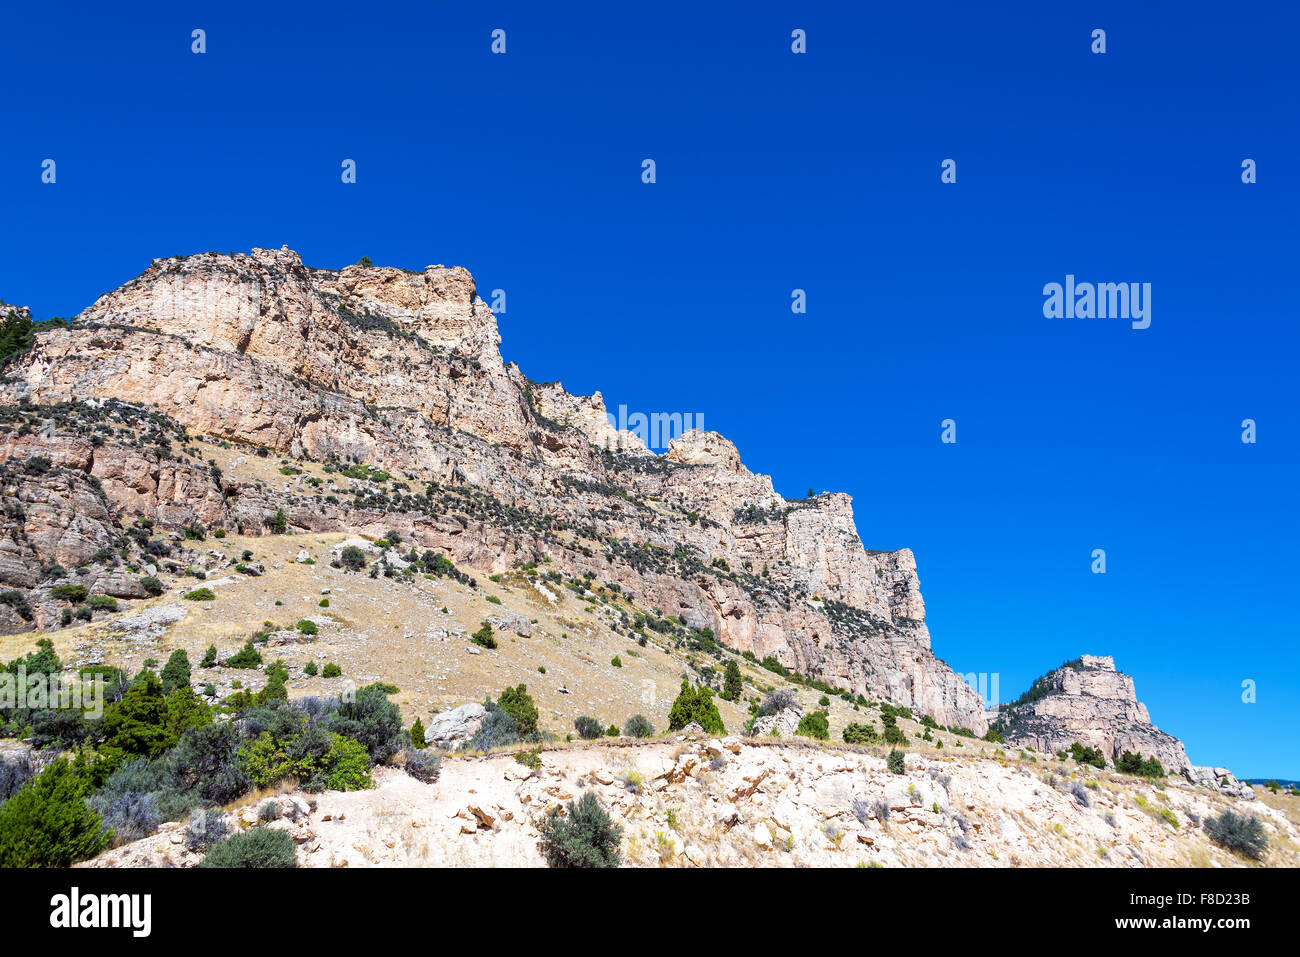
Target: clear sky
[(778, 171)]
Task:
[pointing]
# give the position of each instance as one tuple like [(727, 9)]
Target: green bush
[(353, 558), (897, 765), (373, 720), (246, 657), (138, 725), (18, 602), (484, 636), (273, 690), (209, 657), (616, 661), (48, 822), (260, 847), (1086, 755), (310, 669), (70, 593), (893, 734), (584, 837), (695, 704), (266, 759), (638, 727), (347, 765), (531, 758), (16, 334), (37, 465), (612, 731), (588, 728), (1240, 833), (814, 725), (176, 673), (331, 670), (277, 523), (186, 710), (857, 733), (518, 704), (152, 585), (1130, 763), (417, 734), (307, 627), (103, 603), (200, 594), (42, 661)]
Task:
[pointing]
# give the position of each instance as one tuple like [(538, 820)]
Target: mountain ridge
[(400, 371)]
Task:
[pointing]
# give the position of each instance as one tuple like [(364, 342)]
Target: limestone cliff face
[(418, 341), (401, 371), (1091, 703)]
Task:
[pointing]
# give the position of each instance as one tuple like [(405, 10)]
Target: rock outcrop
[(783, 724), (1088, 702), (734, 802), (1219, 779), (397, 372)]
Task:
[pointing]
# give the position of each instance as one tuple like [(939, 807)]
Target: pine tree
[(695, 704), (732, 684), (16, 334), (278, 523)]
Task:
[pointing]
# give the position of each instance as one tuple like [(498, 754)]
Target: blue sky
[(779, 171)]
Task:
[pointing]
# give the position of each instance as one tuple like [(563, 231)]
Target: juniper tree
[(177, 671)]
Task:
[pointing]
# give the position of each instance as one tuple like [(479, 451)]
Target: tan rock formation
[(1089, 702)]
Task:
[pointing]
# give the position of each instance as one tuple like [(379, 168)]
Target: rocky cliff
[(1087, 701), (381, 372)]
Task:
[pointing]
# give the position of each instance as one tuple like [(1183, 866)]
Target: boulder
[(449, 729), (119, 586), (783, 723), (517, 624), (1219, 779)]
